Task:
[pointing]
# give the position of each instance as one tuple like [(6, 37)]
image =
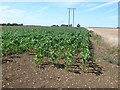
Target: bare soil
[(21, 72)]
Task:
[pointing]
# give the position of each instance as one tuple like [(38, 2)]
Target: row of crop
[(50, 42)]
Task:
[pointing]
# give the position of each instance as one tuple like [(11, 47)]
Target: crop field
[(47, 42), (42, 57)]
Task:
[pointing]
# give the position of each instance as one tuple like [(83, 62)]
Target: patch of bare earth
[(21, 72)]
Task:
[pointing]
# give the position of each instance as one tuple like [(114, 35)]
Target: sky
[(88, 14)]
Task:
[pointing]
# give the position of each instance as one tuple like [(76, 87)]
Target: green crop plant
[(54, 43)]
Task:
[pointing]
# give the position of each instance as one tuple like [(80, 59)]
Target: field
[(110, 35), (53, 57)]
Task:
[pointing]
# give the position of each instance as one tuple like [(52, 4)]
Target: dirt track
[(110, 35)]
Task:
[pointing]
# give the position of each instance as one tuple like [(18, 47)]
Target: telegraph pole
[(69, 16), (73, 16)]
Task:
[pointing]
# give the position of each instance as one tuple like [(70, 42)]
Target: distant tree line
[(55, 26), (11, 24), (63, 25)]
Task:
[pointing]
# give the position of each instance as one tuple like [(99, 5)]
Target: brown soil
[(21, 72)]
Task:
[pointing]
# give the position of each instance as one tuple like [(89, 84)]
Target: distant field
[(110, 35)]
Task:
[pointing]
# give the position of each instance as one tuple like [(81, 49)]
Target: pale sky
[(99, 14)]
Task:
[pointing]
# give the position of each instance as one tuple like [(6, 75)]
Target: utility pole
[(69, 16), (73, 16)]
